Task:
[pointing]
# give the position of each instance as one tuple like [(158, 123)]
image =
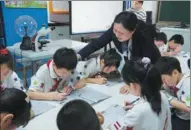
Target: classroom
[(94, 65)]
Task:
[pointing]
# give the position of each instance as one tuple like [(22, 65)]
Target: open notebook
[(39, 107), (89, 95)]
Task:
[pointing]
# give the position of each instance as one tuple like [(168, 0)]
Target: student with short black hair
[(77, 115), (53, 76), (178, 85), (151, 111), (15, 109), (174, 45), (8, 78), (106, 62), (161, 41)]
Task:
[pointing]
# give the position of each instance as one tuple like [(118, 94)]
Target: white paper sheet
[(112, 113), (90, 94), (39, 107)]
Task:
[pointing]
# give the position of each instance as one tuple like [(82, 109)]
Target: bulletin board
[(25, 4)]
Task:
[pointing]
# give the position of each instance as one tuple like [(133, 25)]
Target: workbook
[(39, 107), (111, 114), (90, 94)]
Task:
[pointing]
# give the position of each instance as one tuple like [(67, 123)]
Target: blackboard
[(174, 11)]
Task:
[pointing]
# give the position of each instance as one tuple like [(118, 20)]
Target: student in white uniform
[(8, 78), (161, 42), (15, 109), (174, 45), (179, 84), (151, 111), (51, 80), (106, 62), (78, 115)]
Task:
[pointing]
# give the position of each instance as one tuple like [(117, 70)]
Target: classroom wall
[(151, 6), (11, 14), (60, 18)]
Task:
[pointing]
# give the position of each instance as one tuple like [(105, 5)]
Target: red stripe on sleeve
[(118, 124), (116, 127)]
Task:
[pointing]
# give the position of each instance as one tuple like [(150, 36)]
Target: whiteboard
[(93, 16)]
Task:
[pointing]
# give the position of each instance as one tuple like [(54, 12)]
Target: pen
[(134, 101)]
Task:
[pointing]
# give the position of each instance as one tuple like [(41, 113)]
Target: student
[(78, 115), (151, 111), (137, 9), (174, 45), (53, 76), (15, 109), (8, 77), (179, 84), (131, 37), (106, 62), (161, 41)]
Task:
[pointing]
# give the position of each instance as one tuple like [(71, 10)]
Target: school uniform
[(142, 117), (46, 80), (12, 81), (181, 120), (163, 48), (87, 68)]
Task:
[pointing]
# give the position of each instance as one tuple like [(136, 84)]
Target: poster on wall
[(25, 4)]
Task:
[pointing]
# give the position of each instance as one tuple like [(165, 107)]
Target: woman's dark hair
[(111, 57), (130, 22), (6, 58), (127, 19), (149, 79), (77, 115), (14, 101)]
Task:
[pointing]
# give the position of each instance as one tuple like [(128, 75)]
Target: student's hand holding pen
[(67, 90), (130, 105), (58, 96)]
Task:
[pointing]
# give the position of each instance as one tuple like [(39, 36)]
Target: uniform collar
[(52, 72), (186, 75)]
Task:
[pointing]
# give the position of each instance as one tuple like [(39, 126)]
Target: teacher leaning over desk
[(131, 37)]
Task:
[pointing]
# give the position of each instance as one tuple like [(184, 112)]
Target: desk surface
[(176, 29), (47, 51), (47, 121)]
